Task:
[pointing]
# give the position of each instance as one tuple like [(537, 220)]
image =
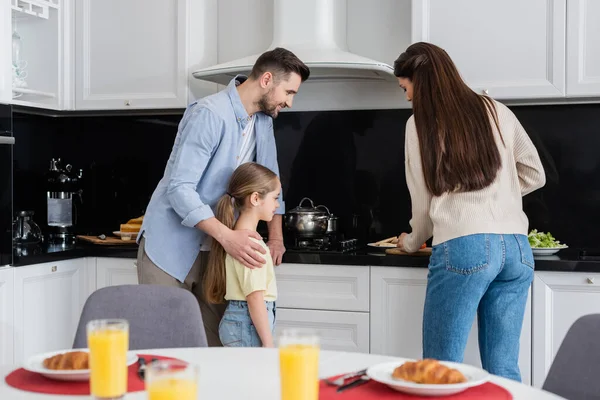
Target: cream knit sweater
[(496, 209)]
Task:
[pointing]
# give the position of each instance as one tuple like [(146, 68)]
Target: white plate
[(383, 373), (36, 364), (132, 234), (547, 251), (382, 246)]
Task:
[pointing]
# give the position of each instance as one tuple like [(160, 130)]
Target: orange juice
[(299, 370), (172, 389), (108, 362)]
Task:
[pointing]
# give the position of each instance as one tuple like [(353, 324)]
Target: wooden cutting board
[(397, 252), (109, 241)]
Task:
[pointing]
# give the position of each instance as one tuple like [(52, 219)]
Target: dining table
[(253, 374)]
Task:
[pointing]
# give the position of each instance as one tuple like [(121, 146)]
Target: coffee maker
[(64, 196)]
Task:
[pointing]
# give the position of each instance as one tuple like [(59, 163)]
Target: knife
[(360, 381), (339, 381)]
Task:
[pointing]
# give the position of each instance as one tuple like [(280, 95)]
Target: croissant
[(428, 371), (67, 361)]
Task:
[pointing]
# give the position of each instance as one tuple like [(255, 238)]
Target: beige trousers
[(149, 273)]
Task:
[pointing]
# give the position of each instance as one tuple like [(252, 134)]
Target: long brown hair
[(456, 139), (247, 179)]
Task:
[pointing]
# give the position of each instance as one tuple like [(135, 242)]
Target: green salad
[(542, 240)]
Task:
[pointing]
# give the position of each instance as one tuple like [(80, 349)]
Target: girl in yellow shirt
[(249, 319)]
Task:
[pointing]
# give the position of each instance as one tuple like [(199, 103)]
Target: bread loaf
[(132, 228), (136, 221)]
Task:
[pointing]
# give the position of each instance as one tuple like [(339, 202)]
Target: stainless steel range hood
[(314, 30)]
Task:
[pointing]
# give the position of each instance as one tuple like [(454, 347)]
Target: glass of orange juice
[(108, 341), (171, 380), (299, 364)]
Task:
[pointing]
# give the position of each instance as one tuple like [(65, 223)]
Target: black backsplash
[(350, 161)]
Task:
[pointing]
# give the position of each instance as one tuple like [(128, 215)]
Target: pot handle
[(306, 198), (324, 208)]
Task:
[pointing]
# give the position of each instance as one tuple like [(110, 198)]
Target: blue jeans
[(484, 274), (236, 328)]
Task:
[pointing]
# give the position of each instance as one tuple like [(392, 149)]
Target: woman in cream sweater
[(468, 163)]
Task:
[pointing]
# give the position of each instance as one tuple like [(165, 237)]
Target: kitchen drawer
[(337, 330), (323, 287)]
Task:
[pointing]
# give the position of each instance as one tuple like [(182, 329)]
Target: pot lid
[(312, 210)]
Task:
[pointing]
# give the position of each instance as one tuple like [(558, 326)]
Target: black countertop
[(48, 253), (568, 260)]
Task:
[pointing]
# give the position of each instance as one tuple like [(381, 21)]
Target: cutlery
[(360, 381), (340, 380), (142, 368)]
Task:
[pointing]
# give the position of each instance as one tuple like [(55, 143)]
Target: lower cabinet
[(40, 304), (397, 299), (48, 299), (115, 271), (559, 299), (331, 299), (7, 287), (338, 330)]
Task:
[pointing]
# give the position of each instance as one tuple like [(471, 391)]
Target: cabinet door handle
[(590, 280)]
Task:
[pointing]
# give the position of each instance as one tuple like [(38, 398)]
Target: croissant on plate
[(428, 371), (67, 361)]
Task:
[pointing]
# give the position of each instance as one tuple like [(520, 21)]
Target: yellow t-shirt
[(241, 280)]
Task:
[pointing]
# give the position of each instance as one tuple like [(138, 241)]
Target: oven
[(7, 141)]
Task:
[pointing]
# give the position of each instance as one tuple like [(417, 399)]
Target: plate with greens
[(544, 244)]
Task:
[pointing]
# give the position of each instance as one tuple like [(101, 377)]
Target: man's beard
[(268, 108)]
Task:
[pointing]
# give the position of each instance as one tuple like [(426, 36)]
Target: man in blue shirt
[(215, 135)]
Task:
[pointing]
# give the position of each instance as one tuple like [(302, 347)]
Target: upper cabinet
[(105, 54), (510, 49), (583, 44), (134, 53), (5, 61), (35, 45), (139, 54)]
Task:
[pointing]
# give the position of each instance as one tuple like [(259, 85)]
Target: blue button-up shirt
[(203, 158)]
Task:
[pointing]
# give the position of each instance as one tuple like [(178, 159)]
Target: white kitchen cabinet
[(583, 44), (509, 49), (138, 53), (559, 299), (331, 299), (44, 30), (5, 46), (323, 287), (7, 302), (342, 331), (115, 271), (397, 299), (48, 302)]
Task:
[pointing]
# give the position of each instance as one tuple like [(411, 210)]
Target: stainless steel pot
[(307, 221)]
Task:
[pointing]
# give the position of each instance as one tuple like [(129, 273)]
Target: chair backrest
[(575, 371), (159, 316)]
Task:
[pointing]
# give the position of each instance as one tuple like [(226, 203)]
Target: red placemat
[(379, 391), (34, 382)]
